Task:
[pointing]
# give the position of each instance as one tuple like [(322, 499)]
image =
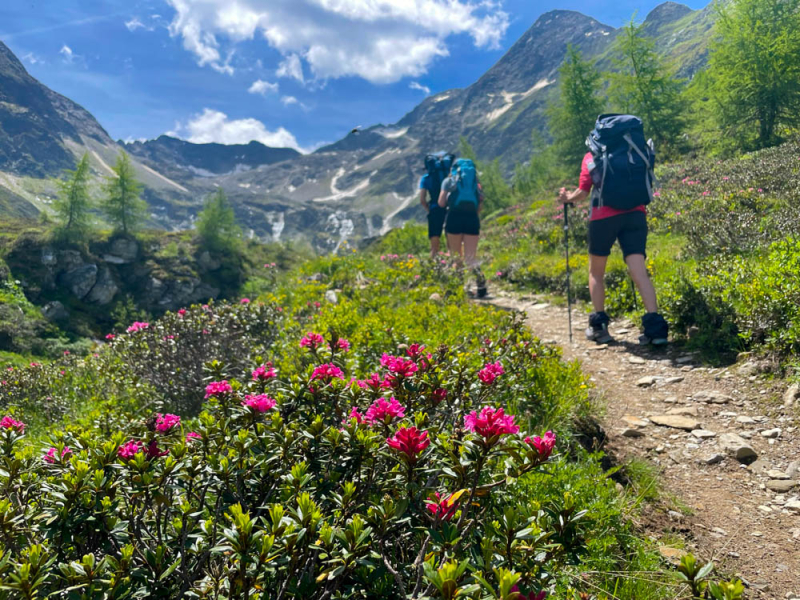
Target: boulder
[(122, 251), (69, 260), (331, 298), (104, 289), (207, 262), (49, 257), (55, 311), (79, 281), (676, 422), (737, 447)]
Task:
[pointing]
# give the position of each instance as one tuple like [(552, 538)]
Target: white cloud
[(291, 67), (263, 87), (415, 85), (66, 52), (215, 126), (379, 40), (135, 24), (32, 59), (287, 100)]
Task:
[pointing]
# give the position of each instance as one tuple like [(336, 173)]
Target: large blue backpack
[(465, 178), (622, 162), (438, 166)]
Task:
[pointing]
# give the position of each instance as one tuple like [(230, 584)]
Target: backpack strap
[(650, 179), (597, 194)]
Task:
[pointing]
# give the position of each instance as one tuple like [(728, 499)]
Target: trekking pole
[(569, 285)]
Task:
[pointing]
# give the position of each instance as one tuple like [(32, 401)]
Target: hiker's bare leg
[(454, 243), (597, 286), (435, 246), (638, 270), (471, 249)]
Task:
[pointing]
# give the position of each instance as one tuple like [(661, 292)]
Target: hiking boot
[(656, 330), (481, 282), (598, 328)]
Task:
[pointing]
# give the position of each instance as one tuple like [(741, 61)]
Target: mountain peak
[(666, 13)]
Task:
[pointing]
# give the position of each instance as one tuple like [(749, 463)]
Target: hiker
[(462, 194), (617, 173), (430, 184)]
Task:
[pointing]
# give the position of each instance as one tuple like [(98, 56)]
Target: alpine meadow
[(536, 337)]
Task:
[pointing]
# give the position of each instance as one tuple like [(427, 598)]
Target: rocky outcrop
[(79, 281)]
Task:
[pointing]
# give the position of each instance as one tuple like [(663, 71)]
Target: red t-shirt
[(600, 212)]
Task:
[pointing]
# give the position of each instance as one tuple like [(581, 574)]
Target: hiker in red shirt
[(606, 226)]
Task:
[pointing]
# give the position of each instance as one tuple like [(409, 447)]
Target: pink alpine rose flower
[(543, 445), (490, 422), (415, 350), (439, 395), (355, 414), (192, 435), (153, 451), (129, 449), (259, 403), (531, 596), (327, 372), (264, 373), (342, 344), (165, 423), (490, 372), (398, 365), (182, 312), (383, 411), (312, 341), (137, 326), (375, 383), (218, 388), (9, 422), (409, 442), (443, 507), (244, 301), (110, 336), (50, 456)]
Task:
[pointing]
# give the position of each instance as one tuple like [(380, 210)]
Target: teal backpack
[(466, 193)]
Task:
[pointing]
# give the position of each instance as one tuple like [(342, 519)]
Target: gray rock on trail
[(676, 422), (712, 459), (637, 360), (791, 395), (80, 281), (703, 434), (737, 447), (670, 380), (771, 433), (793, 505), (648, 381), (782, 485), (712, 397), (776, 474), (745, 420), (632, 432), (793, 470), (635, 421), (759, 467), (687, 411), (748, 369)]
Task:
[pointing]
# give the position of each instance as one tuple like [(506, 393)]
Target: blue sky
[(286, 72)]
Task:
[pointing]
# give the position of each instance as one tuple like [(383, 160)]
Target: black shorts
[(436, 217), (629, 228), (463, 222)]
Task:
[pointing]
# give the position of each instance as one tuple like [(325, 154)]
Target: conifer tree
[(644, 85), (122, 203), (753, 78), (74, 203), (572, 117), (216, 224)]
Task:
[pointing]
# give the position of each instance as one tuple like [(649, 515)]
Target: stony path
[(727, 447)]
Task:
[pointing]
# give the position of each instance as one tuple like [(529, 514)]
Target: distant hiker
[(618, 173), (438, 168), (462, 194)]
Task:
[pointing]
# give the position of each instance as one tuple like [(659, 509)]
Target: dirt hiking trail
[(727, 447)]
